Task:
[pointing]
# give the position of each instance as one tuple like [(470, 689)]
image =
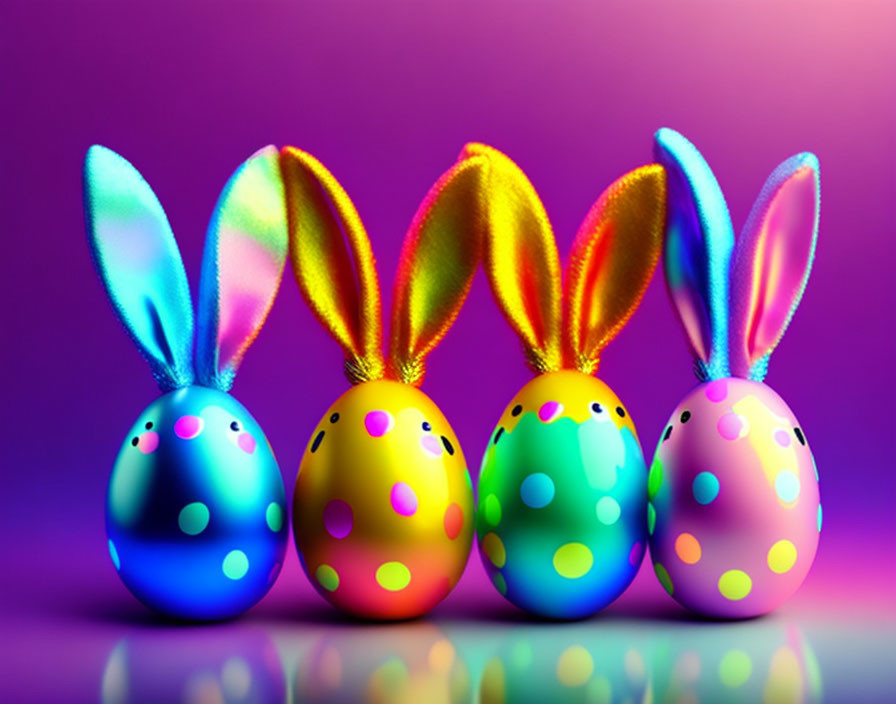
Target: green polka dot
[(735, 585), (393, 576), (193, 518), (235, 564), (492, 510), (663, 576), (655, 478), (113, 553), (274, 516), (608, 511), (500, 584), (651, 518), (573, 560), (735, 668), (327, 578), (819, 518)]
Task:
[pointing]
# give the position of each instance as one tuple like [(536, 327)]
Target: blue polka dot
[(787, 486), (706, 487), (537, 490)]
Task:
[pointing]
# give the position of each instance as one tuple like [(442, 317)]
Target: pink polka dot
[(432, 445), (634, 557), (148, 442), (378, 423), (730, 426), (338, 518), (246, 443), (188, 427), (454, 521), (549, 410), (404, 500), (782, 437), (717, 390)]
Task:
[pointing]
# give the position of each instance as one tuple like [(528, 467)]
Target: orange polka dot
[(454, 521), (687, 548)]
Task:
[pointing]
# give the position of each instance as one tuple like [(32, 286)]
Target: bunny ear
[(521, 260), (139, 263), (612, 260), (697, 256), (245, 249), (333, 263), (772, 261), (438, 260)]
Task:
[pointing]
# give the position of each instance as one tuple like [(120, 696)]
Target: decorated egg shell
[(734, 512), (387, 503), (195, 511), (561, 515)]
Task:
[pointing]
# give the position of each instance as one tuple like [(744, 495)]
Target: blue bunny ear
[(698, 247), (245, 250), (139, 263)]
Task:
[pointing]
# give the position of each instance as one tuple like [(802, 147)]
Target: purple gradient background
[(385, 94)]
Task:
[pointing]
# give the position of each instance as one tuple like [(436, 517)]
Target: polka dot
[(148, 442), (378, 423), (274, 516), (608, 511), (732, 426), (492, 510), (688, 549), (338, 518), (781, 556), (113, 553), (717, 390), (574, 666), (246, 443), (549, 411), (787, 486), (188, 427), (494, 550), (634, 557), (432, 446), (453, 521), (500, 584), (655, 477), (735, 668), (235, 564), (782, 437), (705, 488), (651, 518), (327, 578), (573, 560), (404, 500), (393, 576), (663, 576), (819, 518), (735, 585), (537, 490), (193, 518)]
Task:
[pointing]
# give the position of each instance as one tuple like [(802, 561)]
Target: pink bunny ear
[(771, 263)]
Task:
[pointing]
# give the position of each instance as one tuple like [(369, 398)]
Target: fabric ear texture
[(772, 260), (439, 257), (521, 260), (245, 250), (140, 265), (612, 261), (333, 263), (697, 253)]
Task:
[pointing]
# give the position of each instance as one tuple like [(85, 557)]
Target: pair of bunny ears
[(735, 300)]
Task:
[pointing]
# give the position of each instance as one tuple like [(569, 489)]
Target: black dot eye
[(449, 448), (685, 416), (426, 426), (334, 417), (596, 407), (799, 436), (517, 409), (621, 411), (134, 441), (148, 426), (668, 433), (234, 426)]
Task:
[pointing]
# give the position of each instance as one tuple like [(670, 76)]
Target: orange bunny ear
[(612, 260), (521, 260), (438, 259), (333, 262)]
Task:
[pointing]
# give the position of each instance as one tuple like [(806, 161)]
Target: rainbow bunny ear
[(333, 263), (245, 250), (772, 260), (438, 260), (139, 263), (521, 260), (697, 257), (612, 260)]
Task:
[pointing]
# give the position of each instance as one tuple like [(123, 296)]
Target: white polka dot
[(787, 486)]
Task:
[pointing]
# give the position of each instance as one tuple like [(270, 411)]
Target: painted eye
[(334, 417), (599, 412), (620, 411), (517, 409), (799, 436), (685, 416), (426, 426), (135, 441), (667, 434), (235, 427), (149, 425), (449, 448)]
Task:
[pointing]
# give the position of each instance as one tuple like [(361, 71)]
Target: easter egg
[(196, 510), (383, 510), (734, 513), (562, 497)]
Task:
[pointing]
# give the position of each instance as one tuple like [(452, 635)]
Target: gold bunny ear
[(521, 260), (612, 259), (333, 262), (438, 260)]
